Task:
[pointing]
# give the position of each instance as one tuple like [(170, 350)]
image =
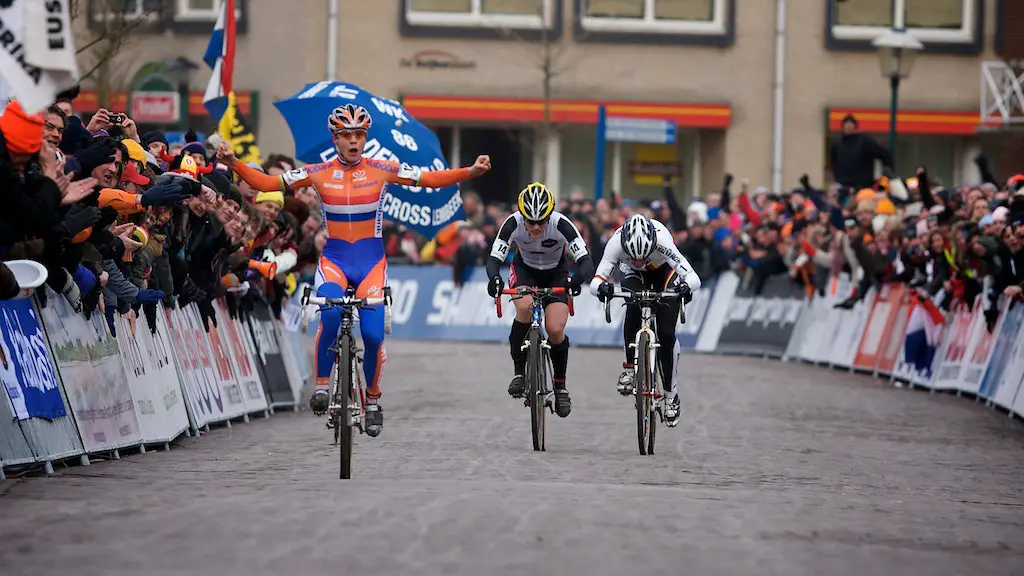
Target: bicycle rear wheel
[(346, 365), (536, 389), (644, 397)]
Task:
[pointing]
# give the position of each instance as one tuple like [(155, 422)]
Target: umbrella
[(395, 135)]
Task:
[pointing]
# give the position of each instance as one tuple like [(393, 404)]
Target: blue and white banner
[(26, 365), (427, 305), (394, 136)]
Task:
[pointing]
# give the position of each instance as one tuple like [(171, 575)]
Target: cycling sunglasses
[(538, 222)]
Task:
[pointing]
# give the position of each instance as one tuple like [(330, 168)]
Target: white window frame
[(185, 13), (648, 24), (965, 35), (139, 11), (475, 18)]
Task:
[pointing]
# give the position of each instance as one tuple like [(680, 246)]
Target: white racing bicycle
[(649, 399)]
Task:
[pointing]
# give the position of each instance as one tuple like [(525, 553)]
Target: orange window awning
[(88, 102), (516, 110), (938, 122)]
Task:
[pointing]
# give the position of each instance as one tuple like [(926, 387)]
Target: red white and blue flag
[(220, 56), (924, 334)]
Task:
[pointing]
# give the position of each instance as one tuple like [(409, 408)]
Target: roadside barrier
[(73, 390)]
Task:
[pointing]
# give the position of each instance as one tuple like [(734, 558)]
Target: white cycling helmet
[(638, 237)]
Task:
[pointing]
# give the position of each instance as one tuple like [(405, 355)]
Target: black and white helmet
[(638, 237)]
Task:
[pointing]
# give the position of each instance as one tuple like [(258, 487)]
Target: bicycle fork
[(652, 363), (354, 409), (549, 394)]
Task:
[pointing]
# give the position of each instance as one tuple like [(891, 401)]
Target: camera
[(117, 118)]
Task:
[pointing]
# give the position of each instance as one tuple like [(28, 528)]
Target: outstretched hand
[(226, 155), (480, 167)]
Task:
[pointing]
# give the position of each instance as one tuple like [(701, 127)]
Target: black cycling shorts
[(662, 278), (519, 274)]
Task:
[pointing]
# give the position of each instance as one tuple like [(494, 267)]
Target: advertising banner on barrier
[(427, 305), (153, 380), (895, 336), (268, 355), (999, 382), (91, 369), (217, 362), (982, 344), (822, 322), (761, 323), (216, 367), (203, 396), (242, 363), (26, 366), (951, 356), (880, 323)]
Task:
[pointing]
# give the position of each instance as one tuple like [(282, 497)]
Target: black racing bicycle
[(538, 360), (348, 407), (648, 397)]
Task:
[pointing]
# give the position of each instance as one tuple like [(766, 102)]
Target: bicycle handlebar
[(344, 301), (643, 298), (531, 291)]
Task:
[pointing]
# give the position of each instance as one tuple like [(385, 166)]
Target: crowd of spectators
[(951, 244), (124, 223)]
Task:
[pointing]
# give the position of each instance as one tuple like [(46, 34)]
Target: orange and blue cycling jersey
[(350, 197)]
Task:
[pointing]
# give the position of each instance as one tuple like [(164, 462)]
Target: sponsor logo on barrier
[(764, 311)]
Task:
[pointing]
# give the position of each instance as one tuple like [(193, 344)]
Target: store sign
[(655, 168), (155, 107), (434, 59)]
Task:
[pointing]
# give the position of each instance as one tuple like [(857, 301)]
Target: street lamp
[(897, 51)]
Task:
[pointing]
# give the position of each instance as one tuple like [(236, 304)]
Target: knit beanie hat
[(22, 131)]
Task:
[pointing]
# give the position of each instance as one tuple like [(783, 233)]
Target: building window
[(123, 11), (655, 16), (513, 14), (204, 10), (931, 21)]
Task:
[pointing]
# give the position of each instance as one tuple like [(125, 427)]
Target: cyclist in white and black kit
[(543, 239), (647, 259)]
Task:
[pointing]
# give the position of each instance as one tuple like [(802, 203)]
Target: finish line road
[(775, 468)]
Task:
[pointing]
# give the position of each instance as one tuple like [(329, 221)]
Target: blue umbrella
[(395, 135)]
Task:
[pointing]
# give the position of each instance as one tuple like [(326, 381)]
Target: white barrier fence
[(72, 389)]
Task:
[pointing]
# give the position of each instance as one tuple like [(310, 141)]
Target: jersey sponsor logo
[(367, 184), (549, 243), (372, 290), (338, 174), (333, 185), (359, 176)]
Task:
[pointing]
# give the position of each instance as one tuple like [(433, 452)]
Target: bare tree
[(550, 60), (101, 47)]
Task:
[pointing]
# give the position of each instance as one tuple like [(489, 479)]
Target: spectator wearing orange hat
[(23, 134)]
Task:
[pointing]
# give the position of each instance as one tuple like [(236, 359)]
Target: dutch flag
[(220, 56), (924, 334)]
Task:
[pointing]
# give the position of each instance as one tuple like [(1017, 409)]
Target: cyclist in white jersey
[(543, 238), (647, 259)]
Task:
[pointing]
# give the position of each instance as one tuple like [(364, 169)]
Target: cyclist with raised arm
[(647, 259), (350, 188), (543, 238)]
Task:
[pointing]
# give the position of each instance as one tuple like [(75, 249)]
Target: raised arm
[(414, 176), (297, 178)]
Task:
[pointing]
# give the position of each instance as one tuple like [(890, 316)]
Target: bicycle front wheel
[(536, 390), (346, 367), (644, 397)]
